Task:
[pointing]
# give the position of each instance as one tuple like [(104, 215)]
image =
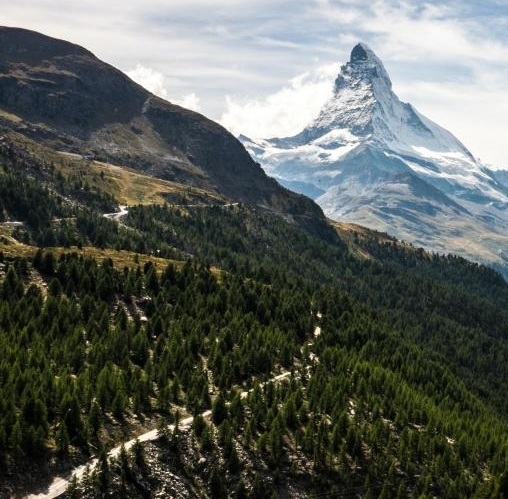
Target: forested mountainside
[(255, 348), (388, 363)]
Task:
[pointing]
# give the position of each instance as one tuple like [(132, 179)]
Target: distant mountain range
[(371, 159)]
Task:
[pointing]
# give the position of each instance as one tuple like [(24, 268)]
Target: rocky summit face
[(371, 159), (62, 96)]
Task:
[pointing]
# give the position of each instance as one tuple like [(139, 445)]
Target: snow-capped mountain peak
[(358, 90), (372, 159), (363, 66), (363, 102)]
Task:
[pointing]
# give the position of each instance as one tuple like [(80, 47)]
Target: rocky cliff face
[(63, 96), (62, 85)]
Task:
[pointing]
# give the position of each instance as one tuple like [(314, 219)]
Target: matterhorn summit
[(364, 104), (371, 159)]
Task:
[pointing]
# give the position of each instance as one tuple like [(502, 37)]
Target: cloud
[(155, 82), (460, 108), (190, 101), (284, 112), (152, 80), (433, 34), (409, 31)]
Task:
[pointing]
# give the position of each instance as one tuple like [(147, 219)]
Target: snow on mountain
[(370, 158), (502, 177)]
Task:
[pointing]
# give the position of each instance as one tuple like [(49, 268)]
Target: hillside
[(253, 356), (63, 97), (384, 395), (445, 316)]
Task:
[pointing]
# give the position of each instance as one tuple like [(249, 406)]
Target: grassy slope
[(127, 185)]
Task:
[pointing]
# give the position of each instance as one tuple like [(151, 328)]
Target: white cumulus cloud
[(152, 80), (284, 112), (155, 82), (190, 101)]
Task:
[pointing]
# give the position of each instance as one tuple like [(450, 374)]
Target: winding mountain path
[(60, 484), (117, 214)]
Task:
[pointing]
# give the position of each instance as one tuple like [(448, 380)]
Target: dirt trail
[(118, 214), (60, 484)]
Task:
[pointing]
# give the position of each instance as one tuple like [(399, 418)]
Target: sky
[(265, 67)]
